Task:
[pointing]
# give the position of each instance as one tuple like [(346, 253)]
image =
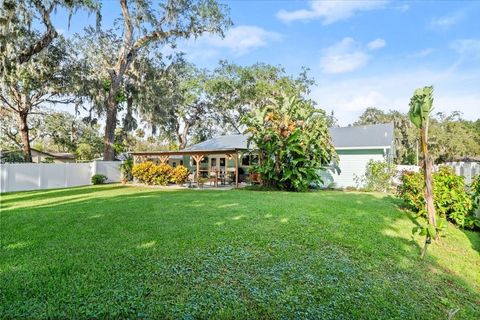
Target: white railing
[(34, 176)]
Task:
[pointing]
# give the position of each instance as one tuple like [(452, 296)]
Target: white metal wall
[(34, 176)]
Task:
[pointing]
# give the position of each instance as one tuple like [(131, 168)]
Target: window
[(246, 160), (249, 160)]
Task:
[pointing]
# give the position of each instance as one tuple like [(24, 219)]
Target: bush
[(150, 173), (126, 168), (450, 197), (12, 157), (378, 176), (99, 179), (179, 175), (161, 174), (472, 221)]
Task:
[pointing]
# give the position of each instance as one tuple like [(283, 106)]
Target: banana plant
[(419, 113)]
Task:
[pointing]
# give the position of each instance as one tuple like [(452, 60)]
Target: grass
[(116, 252)]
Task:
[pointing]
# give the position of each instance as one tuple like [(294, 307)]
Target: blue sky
[(361, 53)]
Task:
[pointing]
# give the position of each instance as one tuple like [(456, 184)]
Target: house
[(56, 157), (231, 153), (356, 146)]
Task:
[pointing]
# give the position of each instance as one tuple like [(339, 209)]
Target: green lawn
[(112, 251)]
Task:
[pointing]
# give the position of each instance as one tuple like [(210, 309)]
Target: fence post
[(3, 177), (40, 175), (65, 171)]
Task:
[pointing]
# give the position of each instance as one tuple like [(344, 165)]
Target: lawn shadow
[(25, 196), (340, 242)]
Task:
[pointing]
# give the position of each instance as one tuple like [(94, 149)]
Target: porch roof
[(189, 152)]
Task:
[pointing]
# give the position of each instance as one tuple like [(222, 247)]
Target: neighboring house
[(354, 145), (57, 157)]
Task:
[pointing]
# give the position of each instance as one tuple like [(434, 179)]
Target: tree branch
[(47, 37)]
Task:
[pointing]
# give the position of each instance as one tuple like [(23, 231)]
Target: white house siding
[(352, 165)]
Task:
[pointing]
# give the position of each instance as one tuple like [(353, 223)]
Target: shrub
[(378, 176), (161, 174), (126, 168), (99, 179), (150, 173), (451, 199), (179, 175), (472, 221), (12, 157)]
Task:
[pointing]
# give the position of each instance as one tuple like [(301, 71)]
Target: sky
[(361, 53)]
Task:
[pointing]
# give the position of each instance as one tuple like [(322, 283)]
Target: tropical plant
[(293, 142), (419, 113), (126, 168)]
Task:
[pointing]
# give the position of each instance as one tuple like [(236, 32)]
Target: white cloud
[(347, 55), (446, 21), (329, 11), (348, 98), (238, 41), (470, 47), (376, 44), (422, 53), (243, 39)]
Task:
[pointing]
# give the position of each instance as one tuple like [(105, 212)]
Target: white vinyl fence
[(466, 169), (34, 176)]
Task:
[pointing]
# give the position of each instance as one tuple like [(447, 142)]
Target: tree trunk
[(110, 125), (22, 119), (428, 166)]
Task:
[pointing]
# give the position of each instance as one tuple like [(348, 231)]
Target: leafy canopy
[(293, 142)]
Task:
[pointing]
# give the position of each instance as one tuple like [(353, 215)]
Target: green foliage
[(293, 142), (48, 160), (179, 175), (472, 221), (85, 152), (450, 136), (429, 230), (451, 199), (378, 176), (126, 168), (99, 179), (150, 173), (421, 106), (12, 157)]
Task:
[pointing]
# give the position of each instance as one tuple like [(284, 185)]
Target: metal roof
[(369, 136), (375, 136), (228, 142)]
